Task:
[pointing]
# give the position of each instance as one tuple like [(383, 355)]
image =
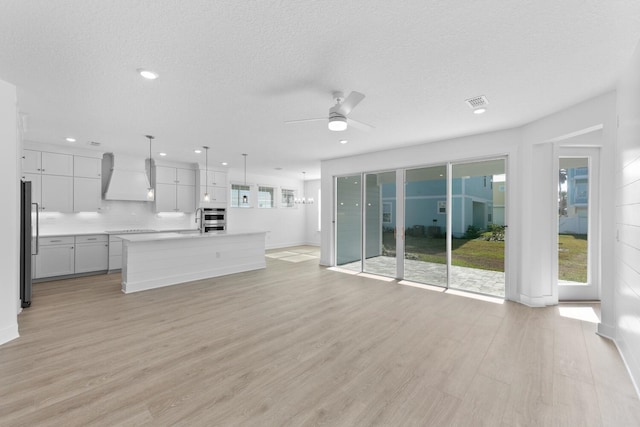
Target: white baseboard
[(620, 345), (9, 333)]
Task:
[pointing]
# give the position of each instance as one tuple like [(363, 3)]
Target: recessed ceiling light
[(163, 154), (69, 139), (224, 163), (197, 151), (147, 74), (343, 141), (479, 111)]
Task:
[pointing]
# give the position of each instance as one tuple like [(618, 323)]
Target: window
[(386, 212), (442, 206), (288, 198), (266, 197), (240, 196)]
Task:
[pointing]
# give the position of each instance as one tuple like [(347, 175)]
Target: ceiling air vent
[(94, 143), (477, 102)]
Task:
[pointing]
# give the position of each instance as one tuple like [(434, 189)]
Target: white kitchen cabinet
[(56, 257), (115, 253), (166, 197), (91, 253), (185, 198), (175, 189), (185, 176), (165, 175), (213, 178), (57, 193), (87, 194), (87, 167), (57, 164), (218, 195), (47, 163), (31, 161), (216, 186)]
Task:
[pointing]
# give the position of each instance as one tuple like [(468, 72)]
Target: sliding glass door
[(349, 222), (425, 213), (445, 227), (379, 228), (478, 226)]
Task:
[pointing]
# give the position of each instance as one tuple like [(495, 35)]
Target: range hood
[(126, 178)]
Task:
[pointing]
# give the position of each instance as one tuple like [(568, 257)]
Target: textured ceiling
[(232, 72)]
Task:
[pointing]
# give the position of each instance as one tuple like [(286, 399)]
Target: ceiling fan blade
[(359, 125), (306, 120), (350, 102)]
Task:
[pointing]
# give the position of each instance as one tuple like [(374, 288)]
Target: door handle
[(37, 228)]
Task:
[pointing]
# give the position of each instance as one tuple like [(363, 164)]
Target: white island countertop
[(154, 260), (148, 237)]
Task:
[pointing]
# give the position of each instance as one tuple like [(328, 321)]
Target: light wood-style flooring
[(296, 345)]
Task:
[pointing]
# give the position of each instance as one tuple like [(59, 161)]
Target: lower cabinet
[(115, 253), (56, 257), (92, 253), (67, 255)]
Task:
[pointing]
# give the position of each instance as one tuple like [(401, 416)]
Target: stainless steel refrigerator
[(28, 240)]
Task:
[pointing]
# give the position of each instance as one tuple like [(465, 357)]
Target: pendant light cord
[(245, 169)]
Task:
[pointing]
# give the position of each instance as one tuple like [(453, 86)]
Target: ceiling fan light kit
[(337, 123), (338, 120)]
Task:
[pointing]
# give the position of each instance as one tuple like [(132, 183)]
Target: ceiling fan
[(338, 120)]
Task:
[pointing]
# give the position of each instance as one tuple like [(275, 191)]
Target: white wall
[(9, 216), (284, 226), (626, 292), (312, 214)]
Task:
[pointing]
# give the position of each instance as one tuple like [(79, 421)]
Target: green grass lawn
[(489, 255), (572, 257)]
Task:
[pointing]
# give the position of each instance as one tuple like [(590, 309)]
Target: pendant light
[(304, 200), (206, 197), (151, 193), (245, 199)]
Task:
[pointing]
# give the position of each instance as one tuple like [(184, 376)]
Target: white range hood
[(127, 178)]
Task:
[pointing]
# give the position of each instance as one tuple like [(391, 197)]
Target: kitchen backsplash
[(114, 215)]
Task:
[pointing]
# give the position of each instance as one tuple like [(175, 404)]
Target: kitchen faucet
[(201, 213)]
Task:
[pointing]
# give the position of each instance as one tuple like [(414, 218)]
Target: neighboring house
[(476, 201), (575, 218)]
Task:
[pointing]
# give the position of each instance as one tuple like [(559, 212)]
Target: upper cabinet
[(87, 167), (47, 163), (63, 182), (171, 175), (213, 178), (213, 182), (32, 162), (87, 185), (175, 189)]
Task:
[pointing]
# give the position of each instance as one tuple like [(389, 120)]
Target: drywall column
[(9, 220), (626, 292)]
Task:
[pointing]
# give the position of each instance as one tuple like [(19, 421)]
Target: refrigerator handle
[(37, 228)]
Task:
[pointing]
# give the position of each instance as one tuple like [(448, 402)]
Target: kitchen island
[(155, 260)]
